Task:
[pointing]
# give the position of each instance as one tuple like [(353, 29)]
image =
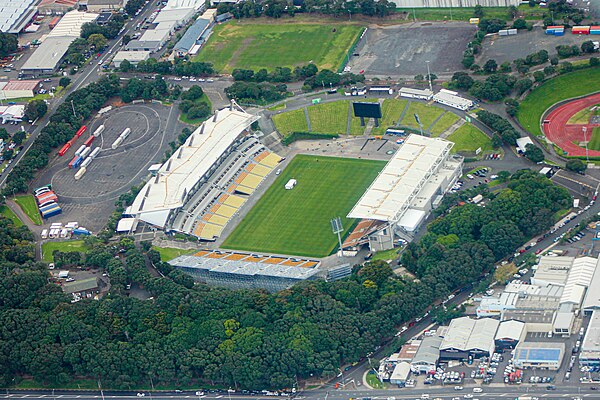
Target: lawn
[(427, 114), (169, 253), (386, 255), (465, 13), (329, 117), (442, 124), (373, 381), (563, 87), (290, 121), (29, 207), (268, 45), (297, 221), (583, 116), (594, 143), (391, 111), (8, 213), (66, 246), (468, 138)]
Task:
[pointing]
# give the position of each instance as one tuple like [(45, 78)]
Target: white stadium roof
[(188, 164), (391, 194)]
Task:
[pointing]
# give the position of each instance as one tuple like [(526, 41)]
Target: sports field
[(427, 115), (583, 116), (297, 221), (65, 246), (563, 87), (268, 45), (594, 143), (442, 124), (468, 138)]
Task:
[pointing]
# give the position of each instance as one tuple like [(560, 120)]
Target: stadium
[(283, 234)]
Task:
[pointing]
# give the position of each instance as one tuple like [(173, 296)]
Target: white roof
[(131, 55), (411, 219), (70, 24), (11, 13), (522, 143), (592, 297), (552, 270), (188, 164), (421, 92), (401, 371), (510, 330), (155, 35), (447, 96), (392, 192), (174, 16), (126, 225), (545, 170), (470, 334), (591, 341), (178, 4), (580, 277), (48, 54)]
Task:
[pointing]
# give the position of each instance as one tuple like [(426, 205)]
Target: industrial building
[(12, 113), (18, 89), (421, 94), (103, 5), (427, 356), (412, 184), (541, 355), (48, 56), (400, 374), (16, 14), (248, 271), (509, 334), (522, 143), (590, 348), (195, 34), (469, 338), (54, 7), (134, 57), (452, 99)]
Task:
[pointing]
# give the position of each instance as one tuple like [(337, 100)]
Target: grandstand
[(241, 270), (208, 179), (412, 183)]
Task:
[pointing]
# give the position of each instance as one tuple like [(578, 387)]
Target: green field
[(465, 13), (468, 138), (66, 246), (277, 44), (574, 84), (427, 114), (297, 221), (29, 207), (329, 117), (583, 116), (442, 124), (391, 111), (169, 253), (290, 121), (8, 213), (594, 143)]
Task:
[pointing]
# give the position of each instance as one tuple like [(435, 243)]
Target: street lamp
[(429, 76), (587, 155)]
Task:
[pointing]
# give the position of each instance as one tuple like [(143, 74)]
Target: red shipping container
[(89, 141), (64, 149)]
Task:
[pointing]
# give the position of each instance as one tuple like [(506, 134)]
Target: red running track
[(568, 136)]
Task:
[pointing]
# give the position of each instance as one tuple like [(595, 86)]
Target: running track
[(567, 136)]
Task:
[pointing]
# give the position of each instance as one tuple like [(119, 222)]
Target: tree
[(490, 66), (554, 60), (520, 23), (478, 11), (523, 85), (594, 61), (64, 81), (512, 12), (97, 40), (18, 137), (505, 272), (491, 25), (588, 47), (8, 44), (461, 80), (539, 76), (512, 106), (576, 165), (194, 93), (4, 134), (505, 67), (35, 109), (126, 66), (534, 153)]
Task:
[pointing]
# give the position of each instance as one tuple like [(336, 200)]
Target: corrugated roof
[(80, 285), (591, 341), (429, 351), (404, 176), (21, 85), (188, 40), (510, 330), (468, 334), (12, 13), (580, 277)]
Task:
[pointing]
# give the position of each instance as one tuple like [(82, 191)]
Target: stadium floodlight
[(419, 122), (337, 228), (587, 154)]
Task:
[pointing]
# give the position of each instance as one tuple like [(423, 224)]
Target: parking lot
[(403, 50), (90, 200), (510, 48)]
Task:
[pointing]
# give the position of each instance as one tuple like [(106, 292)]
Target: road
[(88, 74)]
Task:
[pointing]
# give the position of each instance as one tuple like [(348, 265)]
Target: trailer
[(88, 141), (81, 231), (47, 200), (72, 162), (64, 149), (44, 233), (581, 30), (117, 143), (125, 133), (80, 173), (81, 131), (98, 131), (85, 152), (51, 213), (86, 162), (78, 162), (94, 153), (80, 150)]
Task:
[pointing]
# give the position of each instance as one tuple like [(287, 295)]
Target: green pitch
[(594, 143), (260, 45), (296, 221)]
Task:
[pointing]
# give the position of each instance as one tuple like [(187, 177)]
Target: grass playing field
[(469, 138), (427, 115), (583, 116), (297, 221), (290, 121), (563, 87), (594, 143), (29, 207), (442, 124), (269, 45), (391, 111), (329, 117), (71, 245)]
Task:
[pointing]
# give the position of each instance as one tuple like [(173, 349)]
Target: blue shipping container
[(78, 162), (594, 32), (81, 231), (52, 213), (48, 207), (559, 33)]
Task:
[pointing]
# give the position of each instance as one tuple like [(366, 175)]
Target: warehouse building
[(16, 14), (400, 374), (54, 7), (48, 56), (544, 355), (591, 301), (452, 99), (454, 3), (509, 334), (590, 348), (18, 89), (191, 37), (421, 94), (427, 356), (469, 338), (246, 271), (103, 5), (410, 186), (134, 57), (522, 143)]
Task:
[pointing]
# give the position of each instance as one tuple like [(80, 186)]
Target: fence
[(351, 51)]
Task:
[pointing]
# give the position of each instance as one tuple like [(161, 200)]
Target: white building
[(134, 57), (16, 14), (466, 337), (590, 348), (412, 183), (452, 99), (422, 94), (542, 355), (522, 143)]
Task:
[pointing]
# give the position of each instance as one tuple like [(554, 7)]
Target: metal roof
[(510, 330), (188, 40), (80, 286), (580, 277), (591, 341), (190, 162), (470, 334), (552, 270), (539, 352), (592, 297), (21, 85), (13, 12), (134, 56), (402, 179), (429, 351)]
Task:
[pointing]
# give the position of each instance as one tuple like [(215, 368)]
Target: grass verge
[(169, 253), (8, 213), (29, 207), (468, 138), (64, 246)]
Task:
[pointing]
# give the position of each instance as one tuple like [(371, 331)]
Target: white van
[(44, 233), (477, 390)]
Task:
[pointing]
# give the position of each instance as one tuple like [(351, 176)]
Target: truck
[(80, 150), (78, 162), (81, 231), (52, 212), (81, 131), (85, 152), (88, 141), (117, 143), (98, 131), (44, 233), (94, 152), (86, 162), (64, 149), (72, 162), (80, 173)]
